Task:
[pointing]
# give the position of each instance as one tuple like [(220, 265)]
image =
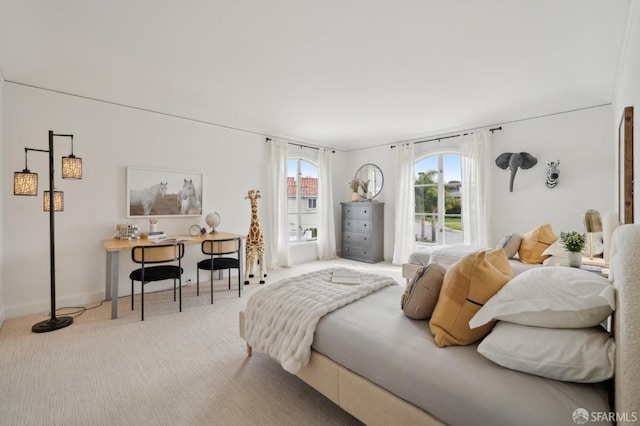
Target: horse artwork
[(553, 173), (188, 198), (179, 193), (146, 197)]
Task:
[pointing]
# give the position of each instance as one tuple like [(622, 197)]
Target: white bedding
[(281, 318)]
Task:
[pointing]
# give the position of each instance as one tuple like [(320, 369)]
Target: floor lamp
[(26, 183)]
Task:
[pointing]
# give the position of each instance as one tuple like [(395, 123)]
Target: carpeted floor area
[(187, 368)]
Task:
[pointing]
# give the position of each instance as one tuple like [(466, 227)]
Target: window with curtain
[(438, 201), (302, 200)]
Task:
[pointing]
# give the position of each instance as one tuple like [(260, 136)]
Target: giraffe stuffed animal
[(255, 240)]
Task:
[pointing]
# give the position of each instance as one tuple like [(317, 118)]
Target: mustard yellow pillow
[(421, 295), (468, 284), (535, 242)]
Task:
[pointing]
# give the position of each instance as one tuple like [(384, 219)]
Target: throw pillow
[(421, 295), (551, 296), (584, 355), (535, 242), (510, 243), (467, 285), (556, 249)]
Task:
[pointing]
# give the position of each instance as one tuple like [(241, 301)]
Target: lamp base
[(52, 324)]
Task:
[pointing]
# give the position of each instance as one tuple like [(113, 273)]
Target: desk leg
[(111, 284), (241, 256)]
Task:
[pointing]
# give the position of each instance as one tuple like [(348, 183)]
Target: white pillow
[(555, 249), (583, 355), (550, 296)]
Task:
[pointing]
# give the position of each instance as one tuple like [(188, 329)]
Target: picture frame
[(625, 167), (163, 193)]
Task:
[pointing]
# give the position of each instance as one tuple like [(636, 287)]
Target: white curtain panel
[(326, 242), (404, 243), (475, 153), (278, 242)]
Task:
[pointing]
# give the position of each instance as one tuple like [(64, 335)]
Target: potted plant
[(573, 243), (354, 185)]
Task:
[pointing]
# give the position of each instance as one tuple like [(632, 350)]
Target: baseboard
[(44, 305)]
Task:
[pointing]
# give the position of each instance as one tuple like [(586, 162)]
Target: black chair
[(218, 262), (154, 255)]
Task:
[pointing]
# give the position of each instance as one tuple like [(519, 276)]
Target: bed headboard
[(625, 274)]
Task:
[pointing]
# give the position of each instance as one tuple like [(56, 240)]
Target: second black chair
[(218, 262)]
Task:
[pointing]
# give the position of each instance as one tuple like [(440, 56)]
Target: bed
[(384, 383)]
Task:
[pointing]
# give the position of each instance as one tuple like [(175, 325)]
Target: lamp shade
[(592, 221), (58, 201), (71, 167), (25, 183)]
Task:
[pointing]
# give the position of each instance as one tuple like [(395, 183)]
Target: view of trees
[(426, 199)]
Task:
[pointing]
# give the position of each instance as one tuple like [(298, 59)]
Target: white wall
[(582, 142), (2, 310), (108, 138), (628, 94)]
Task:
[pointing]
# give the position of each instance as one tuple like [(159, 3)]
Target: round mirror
[(373, 174)]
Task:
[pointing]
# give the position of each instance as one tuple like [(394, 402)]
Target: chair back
[(229, 246), (157, 253)]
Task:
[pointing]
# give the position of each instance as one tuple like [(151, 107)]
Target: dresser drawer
[(358, 238), (357, 211), (356, 225), (356, 252)]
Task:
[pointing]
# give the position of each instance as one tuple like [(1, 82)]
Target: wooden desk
[(114, 247)]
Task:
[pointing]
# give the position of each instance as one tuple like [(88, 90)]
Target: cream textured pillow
[(510, 243), (467, 285), (584, 355), (421, 295), (551, 296), (535, 242), (556, 249)]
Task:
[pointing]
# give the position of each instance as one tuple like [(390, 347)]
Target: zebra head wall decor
[(553, 173)]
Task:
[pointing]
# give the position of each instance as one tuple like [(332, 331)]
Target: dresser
[(363, 231)]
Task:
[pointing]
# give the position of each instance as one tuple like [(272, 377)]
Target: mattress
[(457, 385)]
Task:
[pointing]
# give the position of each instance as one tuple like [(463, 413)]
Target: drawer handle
[(365, 225), (365, 212), (365, 238), (348, 237)]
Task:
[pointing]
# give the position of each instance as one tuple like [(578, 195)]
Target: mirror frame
[(366, 170)]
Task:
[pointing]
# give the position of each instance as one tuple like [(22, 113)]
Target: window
[(302, 199), (438, 218)]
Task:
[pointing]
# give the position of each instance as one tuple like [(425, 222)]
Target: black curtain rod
[(303, 146), (451, 136)]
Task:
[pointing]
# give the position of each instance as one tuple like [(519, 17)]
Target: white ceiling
[(344, 74)]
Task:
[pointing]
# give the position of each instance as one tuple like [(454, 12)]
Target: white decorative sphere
[(213, 220)]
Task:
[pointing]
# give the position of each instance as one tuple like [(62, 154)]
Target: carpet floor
[(175, 368)]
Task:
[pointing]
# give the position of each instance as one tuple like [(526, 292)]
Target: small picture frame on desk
[(163, 193)]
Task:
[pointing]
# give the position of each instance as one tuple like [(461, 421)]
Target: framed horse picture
[(158, 192)]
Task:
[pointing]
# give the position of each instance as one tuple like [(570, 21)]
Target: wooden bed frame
[(374, 405)]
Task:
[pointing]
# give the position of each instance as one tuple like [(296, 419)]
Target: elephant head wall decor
[(515, 160)]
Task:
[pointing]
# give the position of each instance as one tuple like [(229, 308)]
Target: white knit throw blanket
[(281, 318)]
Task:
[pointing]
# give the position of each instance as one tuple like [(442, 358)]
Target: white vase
[(355, 197), (575, 259)]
